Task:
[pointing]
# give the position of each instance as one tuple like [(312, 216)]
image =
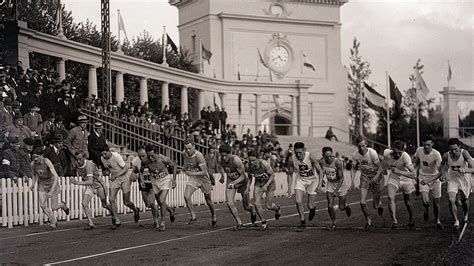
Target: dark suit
[(94, 145), (59, 159)]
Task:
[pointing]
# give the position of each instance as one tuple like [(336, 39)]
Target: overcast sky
[(393, 34)]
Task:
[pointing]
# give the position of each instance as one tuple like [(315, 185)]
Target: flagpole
[(417, 117), (301, 65), (258, 66), (59, 18), (449, 77), (119, 48), (165, 63), (361, 116), (200, 57), (388, 110)]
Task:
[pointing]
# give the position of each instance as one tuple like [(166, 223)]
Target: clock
[(279, 55)]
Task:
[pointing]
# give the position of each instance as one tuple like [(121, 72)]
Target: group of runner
[(156, 175)]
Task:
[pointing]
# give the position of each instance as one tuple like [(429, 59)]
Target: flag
[(307, 63), (238, 74), (121, 25), (373, 99), (58, 15), (450, 74), (170, 42), (217, 101), (206, 54), (240, 103), (278, 102), (261, 59), (395, 93), (421, 88)]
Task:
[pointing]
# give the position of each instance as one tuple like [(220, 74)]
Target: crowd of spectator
[(36, 110)]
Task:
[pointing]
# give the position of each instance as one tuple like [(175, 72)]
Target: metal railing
[(132, 136)]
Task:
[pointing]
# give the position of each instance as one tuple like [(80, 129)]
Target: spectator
[(223, 119), (18, 129), (16, 162), (77, 138), (96, 142), (6, 118), (330, 135), (33, 120), (58, 156)]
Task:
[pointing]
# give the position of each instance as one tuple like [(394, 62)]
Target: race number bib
[(305, 171), (262, 178), (330, 174)]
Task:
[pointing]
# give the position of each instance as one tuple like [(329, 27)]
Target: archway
[(278, 123)]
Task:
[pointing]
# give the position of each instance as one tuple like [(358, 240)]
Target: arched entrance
[(277, 123)]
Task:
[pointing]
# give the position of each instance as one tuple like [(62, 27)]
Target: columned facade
[(92, 78), (184, 99), (165, 95), (61, 67), (119, 89), (143, 91), (258, 112)]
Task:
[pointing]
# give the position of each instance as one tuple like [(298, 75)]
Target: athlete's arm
[(202, 167), (122, 165), (54, 174), (439, 162), (289, 176), (89, 174), (316, 165), (411, 173), (168, 162), (269, 171), (35, 178), (339, 174), (469, 160), (444, 166)]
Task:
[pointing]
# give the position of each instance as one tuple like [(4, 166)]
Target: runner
[(303, 164), (237, 181), (198, 178), (402, 177), (428, 162), (145, 186), (264, 183), (155, 169), (334, 172), (88, 172), (457, 166), (119, 180), (368, 163), (48, 186)]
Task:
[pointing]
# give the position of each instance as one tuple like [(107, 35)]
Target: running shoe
[(238, 227), (301, 227), (411, 225), (466, 219), (52, 226), (312, 213), (253, 217), (277, 213), (380, 210), (439, 225), (66, 211), (367, 227), (172, 215), (348, 210), (264, 226), (214, 223), (136, 215), (89, 227), (426, 215), (332, 227), (192, 220), (161, 228), (394, 225), (456, 225)]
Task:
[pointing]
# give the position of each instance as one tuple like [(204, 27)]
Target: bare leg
[(230, 198), (299, 194), (188, 192), (332, 213), (363, 205), (113, 202), (257, 196), (86, 199), (43, 203), (392, 190)]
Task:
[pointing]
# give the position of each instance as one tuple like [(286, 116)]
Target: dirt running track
[(197, 244)]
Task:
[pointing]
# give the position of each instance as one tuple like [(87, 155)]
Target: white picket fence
[(20, 205)]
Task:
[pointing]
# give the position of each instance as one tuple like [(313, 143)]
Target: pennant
[(261, 59), (170, 42), (421, 88), (121, 25), (240, 103), (395, 93), (449, 73), (217, 101), (278, 102), (307, 63), (373, 99), (206, 54)]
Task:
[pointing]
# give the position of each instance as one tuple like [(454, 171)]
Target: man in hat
[(75, 101), (77, 138), (15, 161), (6, 118), (95, 143), (56, 153), (48, 100), (33, 120), (66, 109), (48, 127), (18, 129)]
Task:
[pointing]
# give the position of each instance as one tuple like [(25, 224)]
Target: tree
[(359, 71)]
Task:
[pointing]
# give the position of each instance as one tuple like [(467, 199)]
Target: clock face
[(276, 9), (279, 56)]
